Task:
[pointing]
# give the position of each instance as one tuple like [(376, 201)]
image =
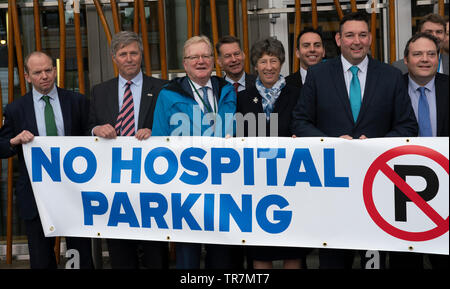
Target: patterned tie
[(125, 119), (355, 93), (424, 114), (50, 124), (206, 100), (236, 87)]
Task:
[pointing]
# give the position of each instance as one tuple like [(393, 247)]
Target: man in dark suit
[(428, 91), (310, 51), (354, 97), (124, 106), (232, 59), (25, 118), (435, 25)]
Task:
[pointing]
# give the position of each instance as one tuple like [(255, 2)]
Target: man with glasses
[(197, 96)]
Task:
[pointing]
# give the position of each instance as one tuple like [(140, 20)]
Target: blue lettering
[(172, 168), (121, 201), (218, 168), (249, 167), (294, 175), (329, 171), (271, 155), (183, 211), (89, 210), (157, 213), (118, 165), (283, 218), (39, 160), (209, 212), (91, 168), (188, 163), (229, 208)]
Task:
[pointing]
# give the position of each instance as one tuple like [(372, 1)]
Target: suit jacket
[(295, 79), (441, 82), (324, 107), (250, 101), (105, 105), (400, 64), (19, 116), (250, 80)]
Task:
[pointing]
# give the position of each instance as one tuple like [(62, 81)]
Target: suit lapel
[(31, 117), (66, 111), (256, 106), (282, 101), (112, 103), (370, 89), (339, 82), (441, 104), (146, 99)]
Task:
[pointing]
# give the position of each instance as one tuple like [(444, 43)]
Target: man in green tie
[(353, 96), (46, 110)]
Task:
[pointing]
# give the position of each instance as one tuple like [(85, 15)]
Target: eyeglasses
[(195, 58)]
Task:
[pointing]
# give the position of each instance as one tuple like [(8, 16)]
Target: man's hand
[(22, 138), (143, 133), (346, 136), (105, 131)]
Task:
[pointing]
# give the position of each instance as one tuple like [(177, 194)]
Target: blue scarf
[(270, 95)]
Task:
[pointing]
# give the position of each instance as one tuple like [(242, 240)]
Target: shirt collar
[(52, 94), (241, 80), (415, 86), (303, 73), (137, 80), (362, 65), (198, 86)]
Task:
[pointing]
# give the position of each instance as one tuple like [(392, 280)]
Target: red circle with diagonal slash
[(380, 164)]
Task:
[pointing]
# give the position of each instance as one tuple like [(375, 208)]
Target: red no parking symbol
[(380, 164)]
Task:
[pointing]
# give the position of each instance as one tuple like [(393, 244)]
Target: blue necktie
[(355, 93), (206, 100), (424, 114)]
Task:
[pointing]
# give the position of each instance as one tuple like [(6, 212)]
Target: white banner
[(387, 194)]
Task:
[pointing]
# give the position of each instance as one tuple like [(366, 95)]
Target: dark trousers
[(188, 256), (405, 260), (132, 254), (41, 249), (343, 259)]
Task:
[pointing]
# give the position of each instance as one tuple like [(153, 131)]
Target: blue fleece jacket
[(177, 113)]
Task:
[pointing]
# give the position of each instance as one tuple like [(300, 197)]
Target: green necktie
[(50, 124)]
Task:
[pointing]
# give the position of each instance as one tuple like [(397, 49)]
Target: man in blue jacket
[(197, 105)]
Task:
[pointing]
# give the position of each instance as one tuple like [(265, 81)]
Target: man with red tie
[(124, 106), (232, 59)]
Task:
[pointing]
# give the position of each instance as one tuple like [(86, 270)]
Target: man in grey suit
[(124, 106), (435, 25)]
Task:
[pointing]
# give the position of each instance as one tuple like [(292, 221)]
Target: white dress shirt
[(362, 74), (39, 107)]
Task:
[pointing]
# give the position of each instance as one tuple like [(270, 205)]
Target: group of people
[(352, 96)]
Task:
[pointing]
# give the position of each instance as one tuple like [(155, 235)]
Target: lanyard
[(206, 106)]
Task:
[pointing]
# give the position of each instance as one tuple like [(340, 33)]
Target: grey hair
[(124, 38), (197, 39), (269, 46)]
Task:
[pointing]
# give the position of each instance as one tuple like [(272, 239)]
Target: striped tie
[(125, 119)]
